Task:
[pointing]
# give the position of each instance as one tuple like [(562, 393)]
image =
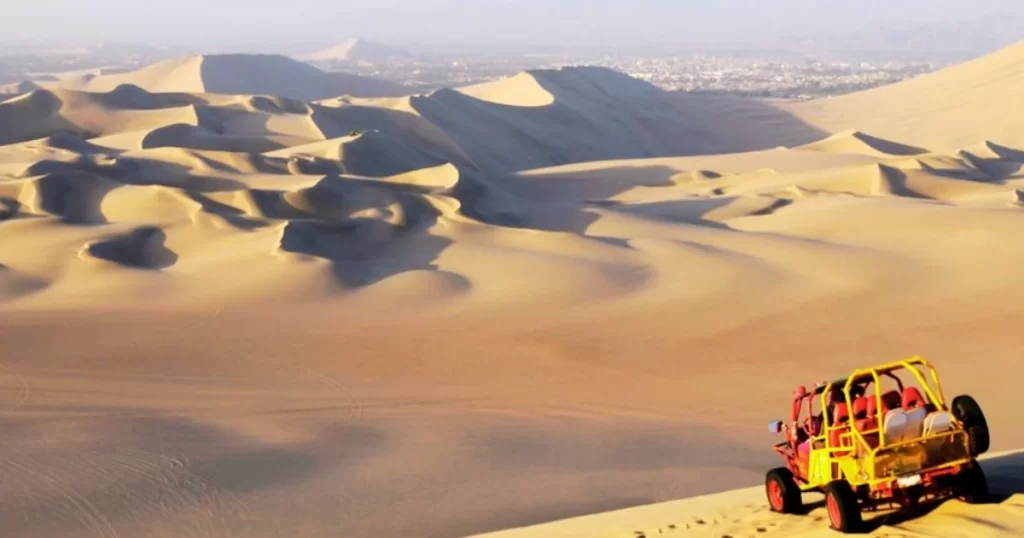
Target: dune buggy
[(872, 442)]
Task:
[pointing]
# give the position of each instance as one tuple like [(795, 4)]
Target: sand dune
[(592, 114), (743, 513), (941, 111), (7, 90), (857, 142), (366, 153), (523, 90), (546, 118), (482, 308), (237, 74)]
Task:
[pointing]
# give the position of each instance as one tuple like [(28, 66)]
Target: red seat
[(890, 400), (871, 420), (841, 414), (860, 408), (840, 425), (912, 399), (865, 414)]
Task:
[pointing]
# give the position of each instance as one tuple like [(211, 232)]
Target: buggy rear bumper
[(921, 456)]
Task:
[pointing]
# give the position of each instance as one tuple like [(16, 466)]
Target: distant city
[(764, 75), (742, 75)]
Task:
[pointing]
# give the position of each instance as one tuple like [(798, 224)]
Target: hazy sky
[(404, 22)]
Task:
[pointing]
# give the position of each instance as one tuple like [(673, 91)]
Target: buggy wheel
[(973, 484), (843, 507), (783, 492), (967, 410)]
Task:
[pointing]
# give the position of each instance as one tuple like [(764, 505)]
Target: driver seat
[(865, 420)]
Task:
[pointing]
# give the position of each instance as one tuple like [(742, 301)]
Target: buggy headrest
[(912, 398), (841, 414), (860, 408)]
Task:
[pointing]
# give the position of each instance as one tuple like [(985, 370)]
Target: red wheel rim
[(775, 495), (833, 512)]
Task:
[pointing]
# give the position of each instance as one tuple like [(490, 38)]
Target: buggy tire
[(967, 410), (973, 487), (783, 492), (843, 507)]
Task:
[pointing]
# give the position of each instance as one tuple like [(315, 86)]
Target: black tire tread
[(849, 506), (966, 409), (792, 499)]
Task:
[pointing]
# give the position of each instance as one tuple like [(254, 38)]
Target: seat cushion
[(915, 423), (938, 422), (894, 428)]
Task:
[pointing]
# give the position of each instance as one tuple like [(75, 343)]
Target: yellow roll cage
[(859, 464)]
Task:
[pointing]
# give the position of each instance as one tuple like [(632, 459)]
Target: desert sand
[(486, 308), (744, 513)]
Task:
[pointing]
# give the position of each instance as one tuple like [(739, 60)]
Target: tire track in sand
[(355, 409), (24, 391)]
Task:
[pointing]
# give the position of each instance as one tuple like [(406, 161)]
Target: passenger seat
[(938, 422), (915, 406), (895, 426), (841, 423), (865, 420), (894, 419)]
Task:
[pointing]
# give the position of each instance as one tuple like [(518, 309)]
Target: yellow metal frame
[(857, 465)]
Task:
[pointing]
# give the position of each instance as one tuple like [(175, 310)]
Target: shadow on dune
[(74, 196), (363, 252), (589, 185), (131, 97), (367, 232), (370, 153), (33, 115), (9, 208), (892, 180), (14, 283), (207, 137), (400, 126), (1005, 475), (568, 202), (74, 192), (600, 114), (983, 174), (281, 76), (142, 248), (999, 168), (232, 215), (136, 170)]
